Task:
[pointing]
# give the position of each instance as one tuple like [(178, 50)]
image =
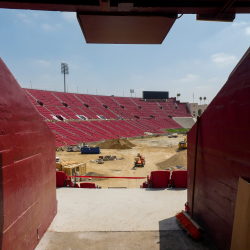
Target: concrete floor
[(118, 219)]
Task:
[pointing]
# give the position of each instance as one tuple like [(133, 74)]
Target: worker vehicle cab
[(183, 144), (139, 161)]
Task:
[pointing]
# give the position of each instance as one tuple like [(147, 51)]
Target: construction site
[(89, 171), (161, 153)]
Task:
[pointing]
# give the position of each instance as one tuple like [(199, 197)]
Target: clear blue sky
[(195, 56)]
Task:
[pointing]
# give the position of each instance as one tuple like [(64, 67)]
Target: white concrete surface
[(82, 210), (185, 122), (112, 219)]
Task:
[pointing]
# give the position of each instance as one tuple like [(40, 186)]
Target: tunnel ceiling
[(134, 22)]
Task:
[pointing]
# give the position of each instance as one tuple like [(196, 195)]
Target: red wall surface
[(27, 168), (223, 156)]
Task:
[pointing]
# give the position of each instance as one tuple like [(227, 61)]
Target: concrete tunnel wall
[(223, 155), (27, 168)]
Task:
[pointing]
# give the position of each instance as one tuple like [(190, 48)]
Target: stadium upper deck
[(75, 118)]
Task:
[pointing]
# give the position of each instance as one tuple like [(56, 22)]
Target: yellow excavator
[(183, 144)]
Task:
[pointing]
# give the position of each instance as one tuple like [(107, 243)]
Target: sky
[(194, 60)]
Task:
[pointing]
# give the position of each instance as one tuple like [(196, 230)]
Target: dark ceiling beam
[(223, 15), (155, 6), (225, 9), (105, 5)]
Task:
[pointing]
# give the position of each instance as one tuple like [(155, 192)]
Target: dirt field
[(160, 153)]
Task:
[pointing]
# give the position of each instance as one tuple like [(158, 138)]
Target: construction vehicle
[(139, 160), (183, 144)]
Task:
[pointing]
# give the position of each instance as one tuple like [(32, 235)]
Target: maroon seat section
[(159, 179), (61, 177), (179, 179), (76, 118), (87, 185), (27, 168)]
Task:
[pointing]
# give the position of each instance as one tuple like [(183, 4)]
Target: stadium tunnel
[(223, 156)]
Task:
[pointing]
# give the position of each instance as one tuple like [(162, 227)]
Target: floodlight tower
[(132, 91), (65, 71)]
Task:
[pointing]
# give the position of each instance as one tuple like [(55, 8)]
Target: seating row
[(165, 179), (127, 117), (125, 106), (62, 180), (73, 132)]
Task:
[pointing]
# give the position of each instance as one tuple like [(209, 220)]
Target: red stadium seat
[(61, 177), (179, 179), (159, 179), (87, 185)]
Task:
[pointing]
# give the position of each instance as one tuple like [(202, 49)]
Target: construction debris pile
[(116, 144), (176, 168), (102, 159), (73, 149)]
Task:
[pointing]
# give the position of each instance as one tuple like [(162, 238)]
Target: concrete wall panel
[(223, 156), (27, 168)]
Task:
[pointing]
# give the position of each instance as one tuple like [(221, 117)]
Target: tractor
[(139, 160)]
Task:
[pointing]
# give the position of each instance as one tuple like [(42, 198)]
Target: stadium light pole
[(65, 71), (131, 91)]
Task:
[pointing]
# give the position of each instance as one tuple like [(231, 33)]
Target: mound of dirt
[(179, 159), (116, 144)]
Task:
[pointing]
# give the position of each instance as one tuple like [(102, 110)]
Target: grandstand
[(75, 118)]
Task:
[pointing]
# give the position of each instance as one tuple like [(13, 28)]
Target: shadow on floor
[(168, 189), (179, 239)]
